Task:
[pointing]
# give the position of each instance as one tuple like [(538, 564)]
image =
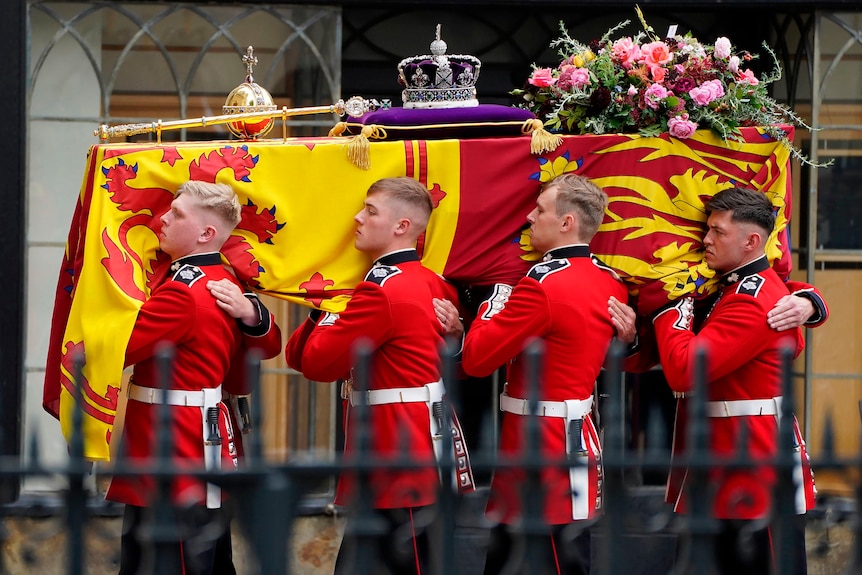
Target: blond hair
[(579, 195), (219, 199), (409, 193)]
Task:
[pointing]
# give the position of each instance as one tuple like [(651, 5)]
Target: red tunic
[(564, 301), (821, 310), (645, 357), (184, 313), (743, 364), (392, 310)]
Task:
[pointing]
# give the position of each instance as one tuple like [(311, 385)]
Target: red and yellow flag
[(295, 240)]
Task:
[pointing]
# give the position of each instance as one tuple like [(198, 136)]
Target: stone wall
[(39, 545)]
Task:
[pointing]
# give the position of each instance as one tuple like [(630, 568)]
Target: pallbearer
[(564, 301), (397, 311)]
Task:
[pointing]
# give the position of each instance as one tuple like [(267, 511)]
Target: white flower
[(733, 64), (722, 48)]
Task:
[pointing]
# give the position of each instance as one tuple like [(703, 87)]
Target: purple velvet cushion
[(407, 124)]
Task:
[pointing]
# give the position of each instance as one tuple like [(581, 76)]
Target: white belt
[(203, 399), (571, 409), (169, 396), (744, 407), (383, 396)]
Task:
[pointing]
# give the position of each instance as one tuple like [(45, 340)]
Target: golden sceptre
[(355, 106), (248, 112)]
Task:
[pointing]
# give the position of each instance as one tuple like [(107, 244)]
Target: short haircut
[(220, 199), (579, 195), (408, 192), (744, 205)]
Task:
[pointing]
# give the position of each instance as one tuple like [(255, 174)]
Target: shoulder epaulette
[(188, 274), (750, 285), (379, 274), (543, 269), (602, 265)]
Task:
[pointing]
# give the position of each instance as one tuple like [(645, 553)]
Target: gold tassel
[(337, 129), (541, 140), (358, 148)]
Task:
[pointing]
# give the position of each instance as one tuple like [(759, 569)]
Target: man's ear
[(754, 241), (208, 233), (403, 226), (569, 224)]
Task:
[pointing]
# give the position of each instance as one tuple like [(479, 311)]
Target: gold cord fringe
[(541, 140), (358, 148)]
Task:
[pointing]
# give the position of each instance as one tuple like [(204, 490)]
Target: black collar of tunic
[(565, 252), (399, 257), (753, 267), (208, 259)]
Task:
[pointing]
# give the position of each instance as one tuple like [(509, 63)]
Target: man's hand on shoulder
[(449, 318), (231, 299), (623, 318), (790, 312)]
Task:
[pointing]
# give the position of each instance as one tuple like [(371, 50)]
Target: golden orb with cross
[(249, 97)]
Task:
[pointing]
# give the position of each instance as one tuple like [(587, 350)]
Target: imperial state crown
[(438, 80)]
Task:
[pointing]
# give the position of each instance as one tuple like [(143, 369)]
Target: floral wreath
[(647, 85)]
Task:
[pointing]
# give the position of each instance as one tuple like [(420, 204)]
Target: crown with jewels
[(438, 80)]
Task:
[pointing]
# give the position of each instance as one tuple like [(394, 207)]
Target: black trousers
[(565, 550), (201, 546), (389, 542), (743, 547)]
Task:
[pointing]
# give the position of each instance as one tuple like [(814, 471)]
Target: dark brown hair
[(745, 205)]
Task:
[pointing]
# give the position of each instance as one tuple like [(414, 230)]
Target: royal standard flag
[(295, 240)]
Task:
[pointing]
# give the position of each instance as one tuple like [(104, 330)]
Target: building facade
[(74, 65)]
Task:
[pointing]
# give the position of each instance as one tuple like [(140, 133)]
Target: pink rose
[(722, 48), (681, 127), (700, 96), (707, 92), (715, 87), (657, 73), (580, 77), (655, 54), (632, 91), (626, 52), (654, 95), (542, 77), (748, 77)]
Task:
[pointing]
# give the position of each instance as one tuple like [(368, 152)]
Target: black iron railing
[(267, 497)]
